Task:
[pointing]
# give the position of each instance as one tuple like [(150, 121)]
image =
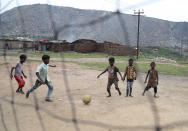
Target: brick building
[(55, 46), (88, 46)]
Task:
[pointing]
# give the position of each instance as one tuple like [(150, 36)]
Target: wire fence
[(75, 120)]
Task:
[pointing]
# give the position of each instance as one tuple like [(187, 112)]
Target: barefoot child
[(153, 79), (112, 76), (18, 73), (131, 74), (43, 78)]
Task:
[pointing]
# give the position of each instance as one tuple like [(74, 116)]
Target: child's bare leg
[(21, 86), (21, 91), (109, 93), (18, 90), (146, 89), (108, 87), (117, 88), (119, 91), (144, 92), (155, 92)]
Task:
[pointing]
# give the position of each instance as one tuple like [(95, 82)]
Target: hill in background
[(35, 21)]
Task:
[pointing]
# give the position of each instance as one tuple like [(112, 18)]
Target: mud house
[(16, 43), (55, 46), (115, 49), (88, 46), (81, 45), (84, 46)]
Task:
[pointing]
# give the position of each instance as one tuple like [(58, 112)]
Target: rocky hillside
[(35, 21)]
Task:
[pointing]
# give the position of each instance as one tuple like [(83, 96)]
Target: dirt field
[(102, 114)]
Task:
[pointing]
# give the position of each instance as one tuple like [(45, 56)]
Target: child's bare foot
[(18, 90), (48, 100), (108, 96), (27, 95), (22, 92), (156, 96), (130, 95)]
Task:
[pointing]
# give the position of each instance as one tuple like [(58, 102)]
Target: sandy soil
[(102, 114)]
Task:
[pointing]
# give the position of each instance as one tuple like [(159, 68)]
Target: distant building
[(55, 46), (81, 45), (14, 43), (88, 46)]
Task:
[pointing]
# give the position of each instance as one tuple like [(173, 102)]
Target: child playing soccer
[(131, 74), (153, 79), (43, 78), (18, 73), (112, 76)]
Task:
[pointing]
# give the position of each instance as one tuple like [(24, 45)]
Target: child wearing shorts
[(18, 73), (112, 76)]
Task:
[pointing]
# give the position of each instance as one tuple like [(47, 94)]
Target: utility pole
[(138, 13), (183, 42), (1, 34), (181, 50), (0, 16)]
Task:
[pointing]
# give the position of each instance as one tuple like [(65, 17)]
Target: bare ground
[(102, 114)]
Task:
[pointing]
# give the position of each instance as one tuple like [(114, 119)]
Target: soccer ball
[(86, 99)]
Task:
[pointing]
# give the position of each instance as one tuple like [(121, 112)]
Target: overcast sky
[(173, 10)]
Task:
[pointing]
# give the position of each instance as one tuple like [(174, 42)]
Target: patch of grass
[(68, 54), (64, 54), (168, 69), (35, 60), (162, 52), (181, 69), (147, 53), (6, 63), (32, 60), (92, 65), (10, 54)]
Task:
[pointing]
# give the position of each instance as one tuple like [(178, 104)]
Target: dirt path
[(111, 112)]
